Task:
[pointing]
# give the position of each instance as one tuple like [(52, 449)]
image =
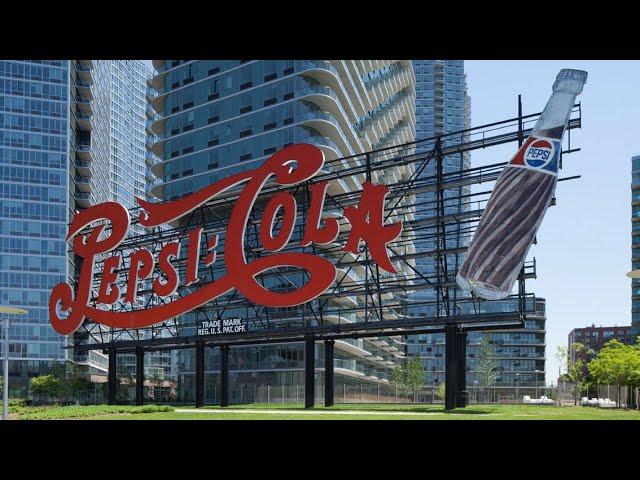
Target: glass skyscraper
[(635, 244), (34, 190), (443, 106), (72, 135), (115, 143), (219, 117)]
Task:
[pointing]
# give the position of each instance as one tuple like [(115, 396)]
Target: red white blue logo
[(539, 153)]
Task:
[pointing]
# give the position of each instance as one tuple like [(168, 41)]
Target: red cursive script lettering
[(290, 166)]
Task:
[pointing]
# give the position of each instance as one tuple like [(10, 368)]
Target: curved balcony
[(156, 145), (326, 74), (83, 103), (156, 99), (83, 119), (381, 111), (339, 319), (157, 81), (83, 183), (151, 160), (83, 168), (83, 151), (325, 123), (84, 88), (150, 111), (82, 199), (352, 347), (83, 71)]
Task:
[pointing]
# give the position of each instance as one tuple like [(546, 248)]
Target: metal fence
[(623, 396)]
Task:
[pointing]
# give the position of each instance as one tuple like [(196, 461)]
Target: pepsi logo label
[(539, 153)]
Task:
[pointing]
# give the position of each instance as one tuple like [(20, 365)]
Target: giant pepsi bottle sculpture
[(520, 198)]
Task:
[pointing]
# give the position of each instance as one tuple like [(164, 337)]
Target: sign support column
[(461, 393), (112, 385), (309, 371), (139, 376), (199, 374), (451, 357), (328, 372), (224, 375)]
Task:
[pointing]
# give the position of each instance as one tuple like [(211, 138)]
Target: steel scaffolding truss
[(440, 211)]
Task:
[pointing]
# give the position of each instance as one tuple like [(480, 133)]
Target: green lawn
[(337, 412)]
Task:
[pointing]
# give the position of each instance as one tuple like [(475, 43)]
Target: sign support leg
[(112, 382), (450, 375), (309, 371), (199, 375), (461, 366), (224, 375), (139, 376), (328, 372)]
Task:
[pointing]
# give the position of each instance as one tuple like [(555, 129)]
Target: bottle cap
[(570, 81)]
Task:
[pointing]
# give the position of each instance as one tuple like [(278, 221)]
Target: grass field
[(337, 412)]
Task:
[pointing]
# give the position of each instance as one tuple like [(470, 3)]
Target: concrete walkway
[(306, 412)]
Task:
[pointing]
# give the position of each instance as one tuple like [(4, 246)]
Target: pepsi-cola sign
[(290, 166)]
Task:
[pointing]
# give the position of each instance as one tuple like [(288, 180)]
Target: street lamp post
[(517, 380), (5, 387)]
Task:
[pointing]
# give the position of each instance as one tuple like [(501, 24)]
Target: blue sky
[(584, 243)]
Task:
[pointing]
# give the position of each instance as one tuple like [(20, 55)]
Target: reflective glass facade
[(635, 244), (216, 118), (110, 161), (34, 112)]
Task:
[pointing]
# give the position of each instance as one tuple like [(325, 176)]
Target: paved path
[(306, 412)]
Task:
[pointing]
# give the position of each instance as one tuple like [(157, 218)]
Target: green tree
[(408, 377), (576, 367), (617, 364), (47, 385), (486, 366), (75, 383), (415, 375), (398, 380), (441, 391), (561, 357)]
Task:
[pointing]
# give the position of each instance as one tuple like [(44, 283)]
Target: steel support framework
[(363, 302)]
